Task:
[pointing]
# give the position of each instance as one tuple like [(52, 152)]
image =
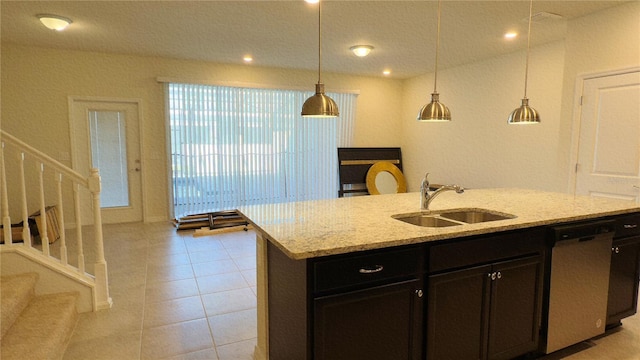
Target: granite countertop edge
[(319, 228)]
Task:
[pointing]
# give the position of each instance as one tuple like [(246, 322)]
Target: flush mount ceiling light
[(319, 105), (435, 110), (525, 114), (361, 50), (54, 22)]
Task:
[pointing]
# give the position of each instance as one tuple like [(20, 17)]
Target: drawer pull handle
[(371, 270), (630, 226)]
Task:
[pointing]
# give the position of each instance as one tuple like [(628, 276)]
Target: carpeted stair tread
[(43, 329), (16, 291)]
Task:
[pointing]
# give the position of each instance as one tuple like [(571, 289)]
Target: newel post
[(103, 300)]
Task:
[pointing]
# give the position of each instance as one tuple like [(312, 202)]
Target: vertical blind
[(233, 146)]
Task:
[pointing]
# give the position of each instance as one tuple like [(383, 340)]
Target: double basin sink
[(453, 217)]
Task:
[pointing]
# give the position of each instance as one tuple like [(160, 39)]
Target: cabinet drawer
[(627, 225), (484, 249), (356, 271)]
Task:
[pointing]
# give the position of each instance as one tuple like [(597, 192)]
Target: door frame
[(134, 101), (577, 118)]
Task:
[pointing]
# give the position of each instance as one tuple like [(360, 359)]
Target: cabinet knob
[(419, 293), (493, 275), (499, 275), (616, 250)]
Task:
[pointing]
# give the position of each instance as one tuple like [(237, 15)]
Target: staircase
[(34, 187), (34, 327)]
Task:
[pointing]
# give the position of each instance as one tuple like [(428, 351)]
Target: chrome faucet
[(426, 197)]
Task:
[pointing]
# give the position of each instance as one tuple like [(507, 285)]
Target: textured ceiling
[(284, 34)]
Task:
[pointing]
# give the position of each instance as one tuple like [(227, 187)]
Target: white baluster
[(44, 237), (6, 219), (26, 231), (61, 227), (76, 202)]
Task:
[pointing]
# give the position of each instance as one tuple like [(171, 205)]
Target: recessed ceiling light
[(386, 72), (361, 50), (54, 22), (247, 58), (312, 1), (510, 35)]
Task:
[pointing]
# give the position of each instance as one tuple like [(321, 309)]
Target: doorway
[(608, 151), (105, 134)]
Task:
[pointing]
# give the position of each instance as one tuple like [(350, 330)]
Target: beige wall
[(599, 43), (478, 148), (36, 84)]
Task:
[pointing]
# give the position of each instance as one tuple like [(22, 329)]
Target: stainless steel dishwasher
[(579, 282)]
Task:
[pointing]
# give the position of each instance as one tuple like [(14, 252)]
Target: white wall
[(601, 42), (36, 83), (478, 148)]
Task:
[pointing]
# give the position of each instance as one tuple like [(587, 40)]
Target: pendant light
[(435, 110), (319, 105), (525, 114)]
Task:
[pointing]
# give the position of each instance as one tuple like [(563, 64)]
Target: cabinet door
[(379, 323), (456, 318), (515, 308), (623, 281)]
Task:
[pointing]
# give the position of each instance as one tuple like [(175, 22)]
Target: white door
[(609, 139), (106, 135)]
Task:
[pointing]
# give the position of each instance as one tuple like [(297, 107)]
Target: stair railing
[(78, 182)]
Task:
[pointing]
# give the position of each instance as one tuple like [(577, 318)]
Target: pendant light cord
[(435, 76), (526, 69), (319, 40)]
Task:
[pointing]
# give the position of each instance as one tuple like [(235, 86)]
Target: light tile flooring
[(182, 297), (175, 296)]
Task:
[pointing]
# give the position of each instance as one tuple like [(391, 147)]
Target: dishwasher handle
[(587, 238)]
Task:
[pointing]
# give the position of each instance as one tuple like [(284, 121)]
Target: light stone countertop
[(335, 226)]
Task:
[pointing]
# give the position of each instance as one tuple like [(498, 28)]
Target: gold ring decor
[(382, 166)]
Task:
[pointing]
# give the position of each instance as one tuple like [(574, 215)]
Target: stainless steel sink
[(452, 217), (475, 216), (426, 220)]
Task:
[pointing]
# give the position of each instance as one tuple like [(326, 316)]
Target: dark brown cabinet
[(485, 312), (515, 309), (383, 322), (369, 305), (362, 305), (486, 304), (625, 270)]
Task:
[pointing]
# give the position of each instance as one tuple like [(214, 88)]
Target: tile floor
[(175, 296), (182, 297)]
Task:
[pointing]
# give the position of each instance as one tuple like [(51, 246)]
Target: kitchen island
[(300, 246)]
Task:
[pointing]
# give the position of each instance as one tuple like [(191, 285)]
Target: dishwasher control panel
[(583, 231)]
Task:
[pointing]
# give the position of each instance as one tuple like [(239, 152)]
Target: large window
[(233, 146)]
